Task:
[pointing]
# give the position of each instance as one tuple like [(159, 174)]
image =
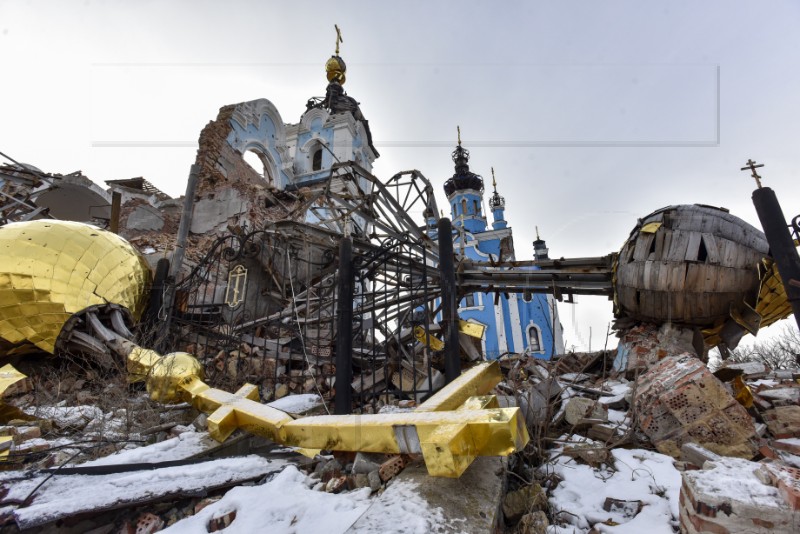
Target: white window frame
[(534, 327)]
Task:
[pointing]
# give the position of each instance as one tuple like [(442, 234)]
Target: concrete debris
[(581, 409), (534, 523), (627, 509), (679, 401), (733, 495), (644, 345), (525, 500), (654, 391)]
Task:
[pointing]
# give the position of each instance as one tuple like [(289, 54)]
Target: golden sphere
[(168, 375), (335, 70)]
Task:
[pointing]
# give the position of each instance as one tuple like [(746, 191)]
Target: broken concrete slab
[(579, 408), (214, 211), (145, 218), (469, 504), (783, 421)]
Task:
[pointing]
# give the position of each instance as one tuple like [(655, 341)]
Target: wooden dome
[(688, 264)]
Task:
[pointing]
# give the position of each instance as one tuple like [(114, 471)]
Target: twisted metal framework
[(282, 313)]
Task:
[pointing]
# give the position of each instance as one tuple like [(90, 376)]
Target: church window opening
[(469, 301), (476, 208), (534, 339), (463, 206), (316, 161), (257, 162)]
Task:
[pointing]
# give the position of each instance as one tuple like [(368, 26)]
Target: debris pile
[(596, 420)]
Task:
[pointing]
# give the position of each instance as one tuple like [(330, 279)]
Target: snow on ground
[(401, 509), (297, 404), (184, 446), (285, 504), (637, 475), (70, 494), (67, 416)]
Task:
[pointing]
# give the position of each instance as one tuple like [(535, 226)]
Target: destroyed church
[(296, 307)]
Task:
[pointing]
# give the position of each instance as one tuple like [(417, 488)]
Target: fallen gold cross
[(451, 429)]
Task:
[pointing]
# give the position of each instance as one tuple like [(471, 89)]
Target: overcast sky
[(593, 114)]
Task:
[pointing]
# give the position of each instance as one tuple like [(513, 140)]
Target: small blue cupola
[(465, 193), (498, 206), (540, 250)]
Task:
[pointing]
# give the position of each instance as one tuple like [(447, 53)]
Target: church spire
[(540, 250), (463, 178), (496, 201), (497, 205)]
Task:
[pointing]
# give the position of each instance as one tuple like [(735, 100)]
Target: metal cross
[(459, 135), (338, 38), (752, 166)]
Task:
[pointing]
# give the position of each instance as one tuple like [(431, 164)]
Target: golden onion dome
[(335, 70), (51, 270)]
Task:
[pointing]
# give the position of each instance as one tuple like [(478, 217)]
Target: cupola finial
[(338, 37), (335, 67)]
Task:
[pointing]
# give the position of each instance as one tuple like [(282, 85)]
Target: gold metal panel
[(430, 341), (59, 268), (5, 447), (8, 377), (448, 450), (478, 380), (480, 402), (475, 330), (650, 228)]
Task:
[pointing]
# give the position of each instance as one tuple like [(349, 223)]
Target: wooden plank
[(693, 246), (643, 243), (678, 305), (730, 254), (648, 272), (712, 248), (677, 250), (677, 278), (694, 278), (659, 254), (667, 244)]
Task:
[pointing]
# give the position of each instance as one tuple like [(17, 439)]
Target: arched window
[(463, 206), (258, 162), (316, 162), (534, 339), (476, 209)]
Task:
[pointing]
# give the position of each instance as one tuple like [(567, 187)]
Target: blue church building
[(514, 322)]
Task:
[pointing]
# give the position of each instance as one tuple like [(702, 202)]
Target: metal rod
[(186, 221), (780, 242), (343, 401), (452, 357), (116, 207)]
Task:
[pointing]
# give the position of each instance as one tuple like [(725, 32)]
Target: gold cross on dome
[(338, 38)]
